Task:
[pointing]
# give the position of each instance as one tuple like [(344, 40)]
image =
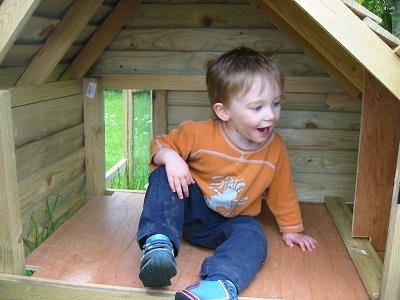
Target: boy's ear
[(221, 111)]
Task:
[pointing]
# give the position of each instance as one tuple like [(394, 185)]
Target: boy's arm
[(178, 173)]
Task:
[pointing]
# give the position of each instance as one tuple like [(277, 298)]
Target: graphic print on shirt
[(226, 191)]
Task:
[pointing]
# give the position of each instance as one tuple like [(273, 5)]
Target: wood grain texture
[(13, 17), (98, 245), (93, 111), (12, 257), (391, 269), (197, 15), (379, 139), (38, 120), (187, 63), (366, 260), (100, 39), (59, 42)]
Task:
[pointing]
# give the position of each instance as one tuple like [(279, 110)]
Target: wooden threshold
[(97, 246), (366, 260)]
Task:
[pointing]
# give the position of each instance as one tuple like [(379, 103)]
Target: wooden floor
[(97, 245)]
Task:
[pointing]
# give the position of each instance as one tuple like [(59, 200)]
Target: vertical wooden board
[(159, 112), (379, 139), (391, 268), (12, 258), (94, 136), (128, 129)]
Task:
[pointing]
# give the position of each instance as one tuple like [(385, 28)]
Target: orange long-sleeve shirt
[(232, 179)]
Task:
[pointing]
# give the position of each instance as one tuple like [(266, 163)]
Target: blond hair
[(233, 74)]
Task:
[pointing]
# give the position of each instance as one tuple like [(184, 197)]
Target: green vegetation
[(114, 136), (382, 8), (41, 232)]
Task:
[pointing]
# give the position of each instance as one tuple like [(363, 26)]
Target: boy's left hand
[(304, 241)]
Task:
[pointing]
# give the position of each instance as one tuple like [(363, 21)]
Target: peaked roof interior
[(344, 38)]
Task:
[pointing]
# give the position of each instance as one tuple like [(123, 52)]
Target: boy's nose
[(269, 114)]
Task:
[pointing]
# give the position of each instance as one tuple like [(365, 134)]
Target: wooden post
[(379, 138), (94, 136), (12, 258), (391, 268), (128, 130), (159, 112)]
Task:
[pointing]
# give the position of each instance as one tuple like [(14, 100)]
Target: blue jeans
[(240, 243)]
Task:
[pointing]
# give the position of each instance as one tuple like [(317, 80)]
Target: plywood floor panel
[(97, 245)]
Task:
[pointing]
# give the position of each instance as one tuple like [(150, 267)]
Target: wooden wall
[(48, 133), (320, 122)]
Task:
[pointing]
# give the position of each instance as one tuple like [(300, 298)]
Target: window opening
[(128, 131)]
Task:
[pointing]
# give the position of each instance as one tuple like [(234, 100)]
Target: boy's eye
[(257, 108), (276, 103)]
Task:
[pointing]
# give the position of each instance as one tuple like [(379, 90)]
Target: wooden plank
[(38, 29), (341, 33), (48, 91), (385, 35), (379, 139), (197, 15), (391, 272), (351, 86), (109, 225), (100, 39), (289, 119), (21, 55), (334, 102), (323, 161), (159, 120), (13, 17), (197, 83), (397, 50), (9, 76), (38, 120), (59, 42), (36, 155), (50, 179), (189, 63), (94, 136), (313, 187), (129, 131), (12, 258), (22, 287), (201, 39), (367, 262), (361, 11)]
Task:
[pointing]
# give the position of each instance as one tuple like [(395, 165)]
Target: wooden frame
[(94, 136), (12, 258)]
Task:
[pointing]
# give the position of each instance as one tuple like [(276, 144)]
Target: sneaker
[(158, 263), (207, 290)]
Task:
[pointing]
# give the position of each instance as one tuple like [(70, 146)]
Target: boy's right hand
[(178, 173)]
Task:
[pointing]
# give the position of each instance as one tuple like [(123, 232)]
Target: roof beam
[(59, 42), (13, 17), (337, 33), (101, 39), (353, 88)]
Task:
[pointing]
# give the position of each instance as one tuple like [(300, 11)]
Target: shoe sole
[(182, 296), (158, 271)]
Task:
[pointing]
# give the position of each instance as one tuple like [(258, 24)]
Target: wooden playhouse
[(340, 121)]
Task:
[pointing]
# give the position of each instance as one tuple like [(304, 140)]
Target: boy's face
[(251, 117)]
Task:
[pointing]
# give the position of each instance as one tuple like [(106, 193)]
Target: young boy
[(209, 180)]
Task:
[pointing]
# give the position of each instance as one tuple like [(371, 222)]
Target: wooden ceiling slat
[(13, 17), (101, 39), (59, 42)]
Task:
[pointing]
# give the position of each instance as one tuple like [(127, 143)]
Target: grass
[(114, 136)]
